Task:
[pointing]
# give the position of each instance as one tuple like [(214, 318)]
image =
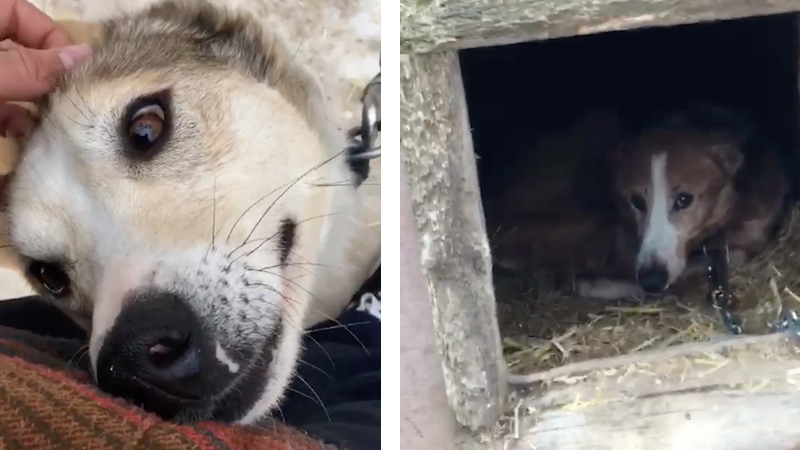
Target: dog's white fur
[(175, 223), (660, 240)]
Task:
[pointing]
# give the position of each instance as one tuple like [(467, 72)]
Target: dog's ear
[(728, 157), (734, 126)]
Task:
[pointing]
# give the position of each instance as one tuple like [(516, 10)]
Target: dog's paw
[(603, 289)]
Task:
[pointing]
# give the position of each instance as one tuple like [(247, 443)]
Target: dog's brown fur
[(742, 197)]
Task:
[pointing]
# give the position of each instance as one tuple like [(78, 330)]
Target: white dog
[(186, 199)]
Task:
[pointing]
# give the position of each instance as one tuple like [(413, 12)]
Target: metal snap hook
[(370, 122)]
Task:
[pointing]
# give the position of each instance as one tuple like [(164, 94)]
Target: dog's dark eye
[(638, 203), (51, 276), (146, 127), (683, 201)]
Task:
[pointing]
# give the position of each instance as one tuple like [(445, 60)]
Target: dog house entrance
[(527, 98)]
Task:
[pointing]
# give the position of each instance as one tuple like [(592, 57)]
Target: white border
[(390, 228)]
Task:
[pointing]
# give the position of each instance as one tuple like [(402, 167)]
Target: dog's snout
[(152, 355), (653, 279)]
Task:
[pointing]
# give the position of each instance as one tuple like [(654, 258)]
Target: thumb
[(26, 74)]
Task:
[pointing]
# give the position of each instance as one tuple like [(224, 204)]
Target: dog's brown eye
[(638, 203), (682, 201), (146, 127), (51, 276)]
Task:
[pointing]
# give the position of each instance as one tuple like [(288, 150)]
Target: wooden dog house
[(737, 393)]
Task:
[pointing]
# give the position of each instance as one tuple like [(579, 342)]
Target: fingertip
[(74, 55)]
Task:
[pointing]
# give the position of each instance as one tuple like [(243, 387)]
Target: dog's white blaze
[(223, 357), (660, 235)]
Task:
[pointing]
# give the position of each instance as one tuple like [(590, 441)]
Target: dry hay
[(544, 328)]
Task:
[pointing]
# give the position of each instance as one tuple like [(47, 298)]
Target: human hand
[(29, 65)]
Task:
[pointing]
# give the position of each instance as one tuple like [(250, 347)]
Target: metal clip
[(717, 260), (364, 137)]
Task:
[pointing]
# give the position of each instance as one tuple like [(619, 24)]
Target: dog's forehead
[(691, 164), (633, 171), (172, 39), (688, 155)]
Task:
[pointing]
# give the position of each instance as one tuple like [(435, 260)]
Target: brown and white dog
[(698, 172), (185, 197)]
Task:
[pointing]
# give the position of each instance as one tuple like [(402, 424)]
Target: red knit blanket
[(47, 403)]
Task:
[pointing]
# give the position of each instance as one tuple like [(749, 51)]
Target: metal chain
[(717, 260), (717, 253)]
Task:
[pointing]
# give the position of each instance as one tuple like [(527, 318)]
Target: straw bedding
[(544, 328)]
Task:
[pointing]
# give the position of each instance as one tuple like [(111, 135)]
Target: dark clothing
[(342, 362)]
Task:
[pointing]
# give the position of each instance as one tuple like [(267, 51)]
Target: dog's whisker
[(332, 319), (302, 361), (294, 57), (82, 125), (85, 103), (290, 186), (271, 421), (344, 183), (213, 218), (284, 278), (252, 241), (289, 300), (80, 354), (301, 265), (79, 110), (48, 130), (253, 205), (299, 377), (336, 327), (267, 239), (340, 325), (265, 196), (304, 395), (305, 260), (327, 355), (283, 417)]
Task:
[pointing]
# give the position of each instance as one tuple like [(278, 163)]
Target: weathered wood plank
[(438, 157), (740, 394), (426, 419), (431, 25)]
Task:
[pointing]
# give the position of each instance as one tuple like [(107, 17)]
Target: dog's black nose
[(653, 279), (152, 354)]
